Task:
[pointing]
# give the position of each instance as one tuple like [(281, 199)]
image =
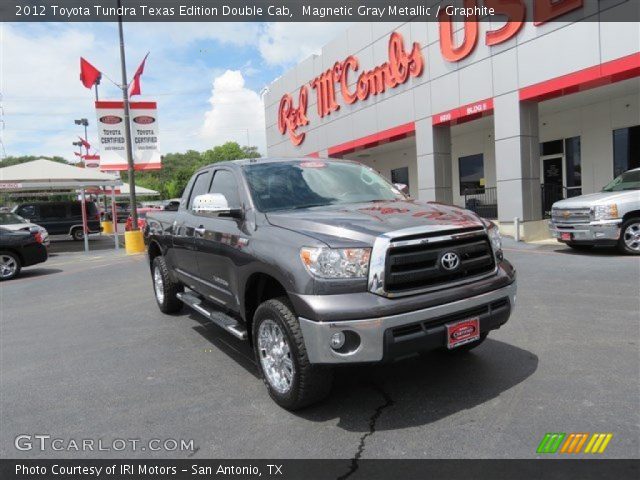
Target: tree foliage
[(177, 168), (9, 161)]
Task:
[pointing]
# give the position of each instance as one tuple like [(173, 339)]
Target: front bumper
[(379, 337), (593, 232)]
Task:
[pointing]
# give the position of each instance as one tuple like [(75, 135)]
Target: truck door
[(221, 242), (184, 259)]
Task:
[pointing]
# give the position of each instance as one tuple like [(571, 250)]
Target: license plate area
[(566, 236), (462, 332)]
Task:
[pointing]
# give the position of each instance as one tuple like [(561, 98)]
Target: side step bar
[(222, 320)]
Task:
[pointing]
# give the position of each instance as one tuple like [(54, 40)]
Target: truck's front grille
[(571, 215), (421, 266)]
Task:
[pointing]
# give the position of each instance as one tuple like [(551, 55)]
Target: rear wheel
[(629, 241), (10, 265), (77, 234), (165, 287), (291, 380)]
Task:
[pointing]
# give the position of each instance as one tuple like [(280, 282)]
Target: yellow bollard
[(134, 242), (107, 226)]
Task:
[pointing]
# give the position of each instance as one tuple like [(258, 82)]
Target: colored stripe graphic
[(574, 442), (550, 442), (598, 443)]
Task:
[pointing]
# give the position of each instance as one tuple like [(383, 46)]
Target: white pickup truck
[(609, 217)]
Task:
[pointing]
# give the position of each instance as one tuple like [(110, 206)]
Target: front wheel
[(629, 241), (165, 287), (10, 265), (279, 348)]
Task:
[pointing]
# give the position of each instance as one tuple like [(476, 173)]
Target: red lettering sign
[(456, 53), (515, 11), (545, 10), (291, 117)]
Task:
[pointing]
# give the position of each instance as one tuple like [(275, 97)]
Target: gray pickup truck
[(319, 263), (610, 217)]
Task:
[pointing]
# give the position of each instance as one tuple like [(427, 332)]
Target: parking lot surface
[(86, 354)]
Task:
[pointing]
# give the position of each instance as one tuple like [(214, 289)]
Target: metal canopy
[(47, 175)]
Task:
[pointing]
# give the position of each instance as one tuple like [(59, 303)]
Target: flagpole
[(127, 126)]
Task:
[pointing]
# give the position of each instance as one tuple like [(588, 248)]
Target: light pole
[(127, 126), (85, 123)]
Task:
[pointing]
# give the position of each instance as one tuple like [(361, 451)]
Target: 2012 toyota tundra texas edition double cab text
[(319, 263)]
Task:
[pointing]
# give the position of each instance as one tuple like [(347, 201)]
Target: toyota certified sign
[(144, 135)]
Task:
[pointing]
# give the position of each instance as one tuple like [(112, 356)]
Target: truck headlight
[(605, 212), (495, 238), (336, 262)]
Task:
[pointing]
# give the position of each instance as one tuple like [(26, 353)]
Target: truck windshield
[(627, 181), (295, 185)]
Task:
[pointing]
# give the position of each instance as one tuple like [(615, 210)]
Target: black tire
[(579, 246), (467, 347), (10, 267), (168, 302), (310, 383), (77, 234), (629, 228)]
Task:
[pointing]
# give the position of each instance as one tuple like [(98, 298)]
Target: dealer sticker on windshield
[(462, 332)]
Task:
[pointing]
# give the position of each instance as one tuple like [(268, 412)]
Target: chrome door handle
[(200, 231)]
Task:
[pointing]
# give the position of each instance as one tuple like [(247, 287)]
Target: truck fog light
[(337, 340)]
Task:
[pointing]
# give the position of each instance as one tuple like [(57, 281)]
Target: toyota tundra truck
[(607, 218), (320, 263)]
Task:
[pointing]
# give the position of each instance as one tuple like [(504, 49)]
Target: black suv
[(61, 218)]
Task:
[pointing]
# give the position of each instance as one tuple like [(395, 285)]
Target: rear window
[(77, 212)]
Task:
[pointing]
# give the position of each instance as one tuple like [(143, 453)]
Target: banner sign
[(144, 135), (91, 161)]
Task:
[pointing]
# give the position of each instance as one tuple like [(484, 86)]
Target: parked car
[(319, 263), (142, 218), (610, 217), (61, 218), (14, 222), (18, 249)]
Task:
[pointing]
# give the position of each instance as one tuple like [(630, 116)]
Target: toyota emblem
[(450, 261)]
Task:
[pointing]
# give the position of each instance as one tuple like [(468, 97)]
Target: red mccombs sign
[(402, 65)]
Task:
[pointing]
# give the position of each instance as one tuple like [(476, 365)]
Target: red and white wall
[(547, 82)]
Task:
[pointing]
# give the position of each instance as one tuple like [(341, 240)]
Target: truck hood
[(599, 198), (342, 225)]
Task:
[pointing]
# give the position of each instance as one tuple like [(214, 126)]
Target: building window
[(626, 149), (471, 170), (400, 175), (553, 147), (573, 158)]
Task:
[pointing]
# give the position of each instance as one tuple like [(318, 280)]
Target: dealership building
[(503, 118)]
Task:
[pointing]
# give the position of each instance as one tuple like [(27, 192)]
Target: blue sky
[(206, 78)]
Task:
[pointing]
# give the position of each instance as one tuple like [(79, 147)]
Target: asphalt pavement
[(86, 354)]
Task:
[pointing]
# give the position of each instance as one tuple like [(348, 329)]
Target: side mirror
[(402, 187), (213, 205)]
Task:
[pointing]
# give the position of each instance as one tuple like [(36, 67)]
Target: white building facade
[(503, 118)]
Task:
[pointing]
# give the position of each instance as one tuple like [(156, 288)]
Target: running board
[(220, 319)]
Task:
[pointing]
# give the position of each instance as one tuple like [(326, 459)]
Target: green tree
[(9, 161)]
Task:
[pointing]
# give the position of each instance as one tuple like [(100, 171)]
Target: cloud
[(236, 113), (285, 44)]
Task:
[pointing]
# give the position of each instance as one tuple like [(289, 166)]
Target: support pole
[(85, 228), (127, 126), (114, 216)]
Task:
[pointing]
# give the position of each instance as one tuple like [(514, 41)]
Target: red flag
[(85, 144), (77, 154), (89, 75), (135, 84)]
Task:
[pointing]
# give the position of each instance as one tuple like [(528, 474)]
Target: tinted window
[(200, 186), (53, 210), (574, 162), (471, 172), (553, 147), (224, 182), (27, 211), (626, 149), (400, 175)]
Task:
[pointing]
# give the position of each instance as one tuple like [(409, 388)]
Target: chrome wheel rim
[(632, 237), (8, 266), (158, 285), (275, 356)]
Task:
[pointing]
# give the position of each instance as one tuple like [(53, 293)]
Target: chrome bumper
[(317, 335), (594, 231)]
